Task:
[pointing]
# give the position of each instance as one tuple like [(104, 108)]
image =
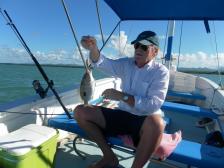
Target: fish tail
[(85, 102)]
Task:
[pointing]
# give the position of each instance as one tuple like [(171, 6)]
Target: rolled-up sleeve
[(156, 94)]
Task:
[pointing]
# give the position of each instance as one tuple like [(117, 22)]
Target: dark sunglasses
[(143, 47)]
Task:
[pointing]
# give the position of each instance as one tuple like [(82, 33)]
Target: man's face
[(144, 54)]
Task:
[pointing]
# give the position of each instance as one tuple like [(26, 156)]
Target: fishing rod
[(118, 23), (74, 34), (99, 20), (13, 27)]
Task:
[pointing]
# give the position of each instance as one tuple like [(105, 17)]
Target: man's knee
[(79, 112), (155, 123), (89, 113)]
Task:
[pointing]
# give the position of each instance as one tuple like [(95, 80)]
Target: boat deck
[(66, 156)]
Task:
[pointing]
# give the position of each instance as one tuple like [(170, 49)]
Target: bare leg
[(150, 138), (91, 120)]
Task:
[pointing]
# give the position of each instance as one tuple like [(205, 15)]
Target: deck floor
[(66, 156)]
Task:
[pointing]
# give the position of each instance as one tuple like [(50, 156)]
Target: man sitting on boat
[(144, 87)]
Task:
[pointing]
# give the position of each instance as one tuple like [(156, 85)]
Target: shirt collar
[(146, 66)]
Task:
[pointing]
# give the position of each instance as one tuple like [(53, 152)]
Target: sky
[(45, 29)]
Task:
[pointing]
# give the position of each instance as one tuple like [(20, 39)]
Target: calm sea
[(16, 80)]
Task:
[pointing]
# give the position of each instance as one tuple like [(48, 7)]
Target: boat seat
[(188, 109), (186, 152), (187, 95), (70, 125), (199, 155), (178, 107)]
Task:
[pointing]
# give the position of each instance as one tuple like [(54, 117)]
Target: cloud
[(18, 55), (121, 46), (199, 59), (118, 46), (13, 55), (162, 37)]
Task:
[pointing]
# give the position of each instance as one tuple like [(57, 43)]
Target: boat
[(194, 105)]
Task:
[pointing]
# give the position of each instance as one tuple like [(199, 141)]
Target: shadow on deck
[(66, 156)]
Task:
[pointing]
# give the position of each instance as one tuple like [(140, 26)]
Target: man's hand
[(89, 43), (112, 94)]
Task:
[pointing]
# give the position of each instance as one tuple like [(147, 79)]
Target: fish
[(87, 85)]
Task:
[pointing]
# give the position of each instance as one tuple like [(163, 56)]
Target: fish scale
[(87, 86)]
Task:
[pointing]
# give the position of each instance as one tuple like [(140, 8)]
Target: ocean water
[(16, 80)]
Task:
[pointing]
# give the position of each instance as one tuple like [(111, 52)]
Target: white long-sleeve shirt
[(148, 84)]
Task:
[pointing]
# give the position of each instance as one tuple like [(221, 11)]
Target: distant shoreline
[(49, 65), (186, 70), (202, 72)]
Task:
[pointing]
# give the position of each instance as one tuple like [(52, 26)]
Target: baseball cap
[(147, 38)]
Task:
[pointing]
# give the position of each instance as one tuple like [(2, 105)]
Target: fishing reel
[(39, 89)]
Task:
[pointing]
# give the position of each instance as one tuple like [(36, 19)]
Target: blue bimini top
[(168, 10)]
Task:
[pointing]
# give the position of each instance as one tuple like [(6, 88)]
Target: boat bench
[(178, 107), (199, 155), (187, 152), (188, 109), (187, 95)]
